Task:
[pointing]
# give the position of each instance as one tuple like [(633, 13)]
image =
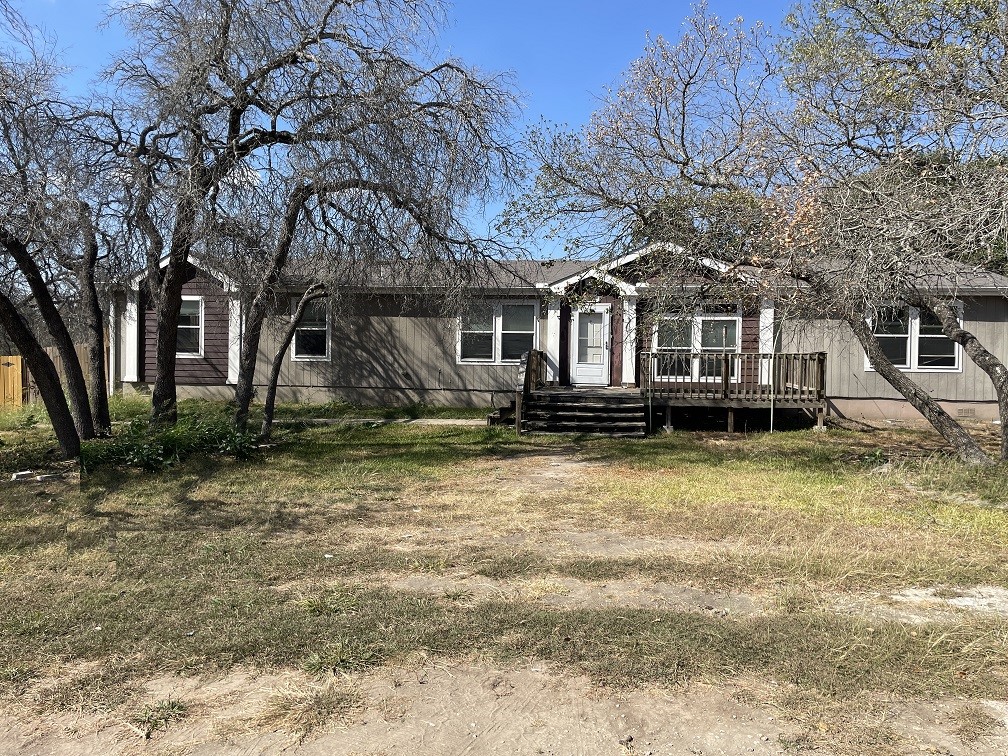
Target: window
[(189, 341), (518, 325), (492, 332), (477, 342), (311, 337), (689, 338), (892, 329), (914, 341)]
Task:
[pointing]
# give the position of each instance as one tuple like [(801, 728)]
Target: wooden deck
[(729, 380), (734, 380)]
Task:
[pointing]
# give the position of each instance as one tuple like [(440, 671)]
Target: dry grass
[(303, 711), (284, 562)]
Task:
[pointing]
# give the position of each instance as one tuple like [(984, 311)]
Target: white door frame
[(592, 374)]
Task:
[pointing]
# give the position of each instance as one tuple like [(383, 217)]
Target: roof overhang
[(133, 282)]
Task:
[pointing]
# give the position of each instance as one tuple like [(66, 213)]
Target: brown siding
[(750, 333), (846, 376), (212, 367)]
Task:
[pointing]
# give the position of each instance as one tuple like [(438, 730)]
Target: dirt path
[(461, 709)]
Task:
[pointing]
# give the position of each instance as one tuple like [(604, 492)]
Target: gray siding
[(381, 348), (846, 377)]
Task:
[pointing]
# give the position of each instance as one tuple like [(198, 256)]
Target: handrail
[(748, 377), (531, 375)]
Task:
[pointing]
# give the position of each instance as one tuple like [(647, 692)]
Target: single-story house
[(595, 326)]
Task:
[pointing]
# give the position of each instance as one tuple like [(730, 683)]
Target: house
[(588, 326)]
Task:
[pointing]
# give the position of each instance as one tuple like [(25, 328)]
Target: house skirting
[(900, 409)]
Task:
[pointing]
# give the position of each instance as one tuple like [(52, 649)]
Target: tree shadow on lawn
[(311, 480)]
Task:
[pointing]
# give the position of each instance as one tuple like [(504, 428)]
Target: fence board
[(11, 381)]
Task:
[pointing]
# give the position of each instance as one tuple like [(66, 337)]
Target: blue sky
[(562, 53)]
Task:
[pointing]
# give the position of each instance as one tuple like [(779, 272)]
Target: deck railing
[(738, 377), (531, 375)]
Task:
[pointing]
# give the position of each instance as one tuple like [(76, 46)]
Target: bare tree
[(711, 150), (334, 96), (901, 117), (50, 211)]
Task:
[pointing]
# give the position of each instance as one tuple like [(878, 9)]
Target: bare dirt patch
[(471, 708)]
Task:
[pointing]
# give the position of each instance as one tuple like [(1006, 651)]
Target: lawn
[(819, 576)]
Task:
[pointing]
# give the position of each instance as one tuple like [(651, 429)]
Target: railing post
[(725, 374), (518, 412)]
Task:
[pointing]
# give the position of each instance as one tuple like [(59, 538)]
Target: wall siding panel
[(384, 348), (212, 367), (847, 378)]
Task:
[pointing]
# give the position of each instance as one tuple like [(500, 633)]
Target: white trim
[(629, 340), (913, 346), (328, 335), (553, 340), (229, 284), (623, 287), (605, 377), (234, 339), (696, 344), (115, 328), (497, 317), (202, 329), (130, 330)]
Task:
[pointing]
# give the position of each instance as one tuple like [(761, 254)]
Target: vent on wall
[(966, 412)]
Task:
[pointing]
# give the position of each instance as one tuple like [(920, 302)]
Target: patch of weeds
[(302, 711), (345, 653), (330, 601), (458, 594), (973, 722), (795, 601), (151, 449), (155, 717), (504, 566), (846, 727)]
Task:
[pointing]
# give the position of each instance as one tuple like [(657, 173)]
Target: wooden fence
[(28, 392), (12, 381)]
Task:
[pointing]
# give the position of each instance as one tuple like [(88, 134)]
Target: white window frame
[(498, 318), (328, 335), (202, 329), (696, 347), (913, 346)]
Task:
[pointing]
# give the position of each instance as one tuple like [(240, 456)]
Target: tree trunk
[(46, 378), (983, 359), (76, 385), (245, 386), (315, 292), (164, 395), (965, 446), (94, 324), (257, 311)]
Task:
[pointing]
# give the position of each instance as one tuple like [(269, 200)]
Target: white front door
[(590, 328)]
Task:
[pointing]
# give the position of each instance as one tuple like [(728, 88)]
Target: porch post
[(130, 339), (234, 338), (114, 329), (767, 343), (629, 340), (553, 340)]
